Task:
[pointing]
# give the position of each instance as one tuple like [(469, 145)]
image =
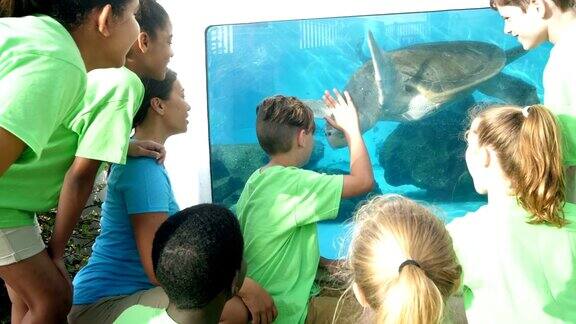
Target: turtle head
[(335, 137)]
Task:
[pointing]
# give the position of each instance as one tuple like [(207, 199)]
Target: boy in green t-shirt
[(281, 203), (197, 258), (533, 23)]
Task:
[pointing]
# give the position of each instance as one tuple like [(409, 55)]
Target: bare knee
[(38, 283), (44, 307), (52, 310), (51, 304)]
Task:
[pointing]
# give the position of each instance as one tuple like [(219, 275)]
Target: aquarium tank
[(436, 67)]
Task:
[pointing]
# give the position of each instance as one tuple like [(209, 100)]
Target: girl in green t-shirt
[(515, 151), (518, 253), (44, 56), (402, 264)]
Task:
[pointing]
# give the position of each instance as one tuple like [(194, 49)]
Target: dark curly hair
[(70, 13), (196, 254)]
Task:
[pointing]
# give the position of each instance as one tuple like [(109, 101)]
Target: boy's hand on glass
[(148, 148), (258, 301), (341, 112)]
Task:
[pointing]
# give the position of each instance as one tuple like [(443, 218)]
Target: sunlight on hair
[(389, 254)]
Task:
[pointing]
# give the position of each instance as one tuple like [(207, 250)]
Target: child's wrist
[(351, 133)]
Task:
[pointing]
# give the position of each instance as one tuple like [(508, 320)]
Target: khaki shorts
[(20, 243), (107, 310)]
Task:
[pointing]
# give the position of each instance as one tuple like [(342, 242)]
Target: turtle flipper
[(385, 74), (510, 89)]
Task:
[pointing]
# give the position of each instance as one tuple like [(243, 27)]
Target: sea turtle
[(414, 82)]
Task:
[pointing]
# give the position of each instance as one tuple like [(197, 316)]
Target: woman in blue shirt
[(139, 197)]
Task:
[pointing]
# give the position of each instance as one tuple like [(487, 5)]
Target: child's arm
[(11, 148), (345, 118), (76, 189), (259, 303), (145, 226)]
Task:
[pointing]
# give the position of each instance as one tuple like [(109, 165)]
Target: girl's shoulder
[(137, 168)]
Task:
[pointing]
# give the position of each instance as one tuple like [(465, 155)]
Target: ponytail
[(528, 144), (413, 298), (402, 260)]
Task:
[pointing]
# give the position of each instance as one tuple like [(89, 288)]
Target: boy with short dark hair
[(533, 22), (281, 203), (197, 257)]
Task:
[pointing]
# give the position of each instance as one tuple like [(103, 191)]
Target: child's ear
[(300, 138), (143, 42), (104, 19), (486, 156), (359, 295), (158, 106), (541, 7)]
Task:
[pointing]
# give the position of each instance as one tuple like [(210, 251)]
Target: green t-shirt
[(139, 314), (42, 79), (515, 272), (560, 90), (99, 130), (278, 211)]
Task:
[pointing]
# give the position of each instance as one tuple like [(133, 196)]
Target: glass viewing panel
[(415, 152)]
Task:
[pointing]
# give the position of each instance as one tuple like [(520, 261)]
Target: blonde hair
[(389, 230), (528, 144)]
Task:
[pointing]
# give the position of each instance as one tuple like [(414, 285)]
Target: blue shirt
[(114, 268)]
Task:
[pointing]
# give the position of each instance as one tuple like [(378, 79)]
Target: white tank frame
[(188, 160)]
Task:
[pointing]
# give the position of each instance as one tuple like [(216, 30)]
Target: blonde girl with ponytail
[(402, 262), (518, 253)]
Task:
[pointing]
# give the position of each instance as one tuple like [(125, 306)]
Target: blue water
[(248, 62)]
